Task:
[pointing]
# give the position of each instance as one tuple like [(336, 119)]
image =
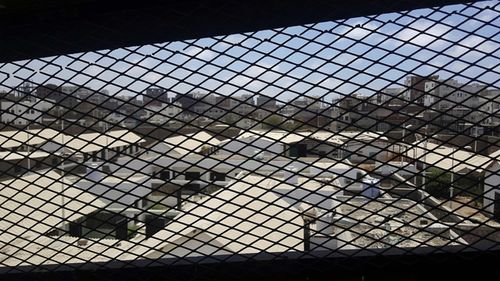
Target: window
[(191, 176), (216, 176), (165, 175), (298, 150)]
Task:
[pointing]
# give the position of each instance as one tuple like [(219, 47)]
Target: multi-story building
[(490, 108), (353, 111), (454, 105), (306, 109), (162, 114), (24, 111), (155, 96), (449, 94), (390, 96), (415, 87), (25, 90), (266, 101), (266, 106), (187, 101)]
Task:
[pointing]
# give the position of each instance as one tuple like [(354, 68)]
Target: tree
[(230, 119), (438, 182), (272, 122)]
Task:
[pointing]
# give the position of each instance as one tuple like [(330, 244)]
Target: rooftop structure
[(19, 155), (34, 205), (13, 139), (184, 144), (446, 158), (385, 223)]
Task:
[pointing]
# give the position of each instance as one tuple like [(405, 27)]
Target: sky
[(329, 59)]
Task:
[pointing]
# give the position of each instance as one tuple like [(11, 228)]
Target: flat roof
[(36, 203), (19, 155), (274, 226), (186, 144), (383, 223), (446, 158), (11, 139), (91, 142)]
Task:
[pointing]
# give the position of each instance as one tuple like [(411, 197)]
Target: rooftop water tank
[(258, 155), (94, 172), (370, 187), (290, 175)]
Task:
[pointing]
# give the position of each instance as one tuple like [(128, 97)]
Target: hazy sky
[(325, 59)]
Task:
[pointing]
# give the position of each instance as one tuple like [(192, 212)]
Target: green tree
[(230, 119), (438, 182), (272, 122)]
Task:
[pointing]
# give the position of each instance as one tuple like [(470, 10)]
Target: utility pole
[(28, 147), (475, 138), (62, 167), (452, 176), (404, 143)]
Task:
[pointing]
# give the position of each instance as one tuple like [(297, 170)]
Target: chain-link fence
[(373, 135)]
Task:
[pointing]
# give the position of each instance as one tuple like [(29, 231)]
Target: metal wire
[(336, 139)]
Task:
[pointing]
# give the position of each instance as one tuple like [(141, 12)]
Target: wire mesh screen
[(364, 136)]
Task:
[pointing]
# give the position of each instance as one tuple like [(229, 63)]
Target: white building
[(171, 170), (356, 146), (162, 114), (390, 96), (364, 146), (251, 143), (24, 112), (18, 140), (490, 108), (114, 118), (443, 157), (446, 94)]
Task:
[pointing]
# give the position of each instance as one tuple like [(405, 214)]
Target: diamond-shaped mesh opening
[(366, 136)]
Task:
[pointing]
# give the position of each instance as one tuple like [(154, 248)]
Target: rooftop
[(32, 205), (447, 158), (186, 144), (11, 139), (384, 223)]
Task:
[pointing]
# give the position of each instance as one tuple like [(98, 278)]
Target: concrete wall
[(202, 244), (491, 186)]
